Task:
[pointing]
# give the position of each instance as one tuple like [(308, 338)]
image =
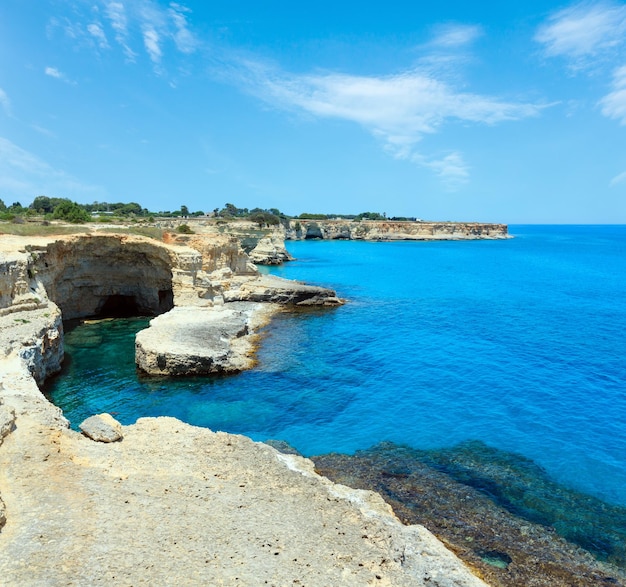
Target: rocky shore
[(168, 503), (266, 245)]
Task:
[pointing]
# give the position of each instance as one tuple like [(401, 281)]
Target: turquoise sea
[(517, 343)]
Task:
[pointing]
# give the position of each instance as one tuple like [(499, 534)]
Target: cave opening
[(121, 306)]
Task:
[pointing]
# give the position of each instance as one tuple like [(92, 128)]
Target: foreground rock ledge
[(168, 504), (172, 504)]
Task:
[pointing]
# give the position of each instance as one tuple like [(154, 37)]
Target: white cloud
[(5, 102), (116, 14), (130, 24), (185, 40), (398, 109), (53, 72), (621, 178), (56, 74), (451, 169), (24, 175), (584, 32), (96, 31), (151, 42), (614, 103), (453, 36)]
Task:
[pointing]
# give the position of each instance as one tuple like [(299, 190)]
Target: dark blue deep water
[(517, 343)]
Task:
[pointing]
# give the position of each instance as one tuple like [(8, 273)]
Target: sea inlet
[(479, 386)]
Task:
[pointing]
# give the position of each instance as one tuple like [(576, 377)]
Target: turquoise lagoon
[(517, 343)]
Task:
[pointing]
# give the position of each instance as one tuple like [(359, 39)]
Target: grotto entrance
[(120, 306)]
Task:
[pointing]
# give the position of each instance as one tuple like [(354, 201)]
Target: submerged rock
[(102, 428), (454, 493)]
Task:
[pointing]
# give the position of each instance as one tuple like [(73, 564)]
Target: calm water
[(517, 343)]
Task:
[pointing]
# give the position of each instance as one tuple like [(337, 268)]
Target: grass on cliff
[(38, 229), (148, 231)]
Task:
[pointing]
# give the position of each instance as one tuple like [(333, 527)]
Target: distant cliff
[(391, 230)]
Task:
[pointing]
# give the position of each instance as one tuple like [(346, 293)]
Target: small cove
[(516, 344)]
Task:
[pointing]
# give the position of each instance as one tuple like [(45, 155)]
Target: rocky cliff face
[(88, 275), (219, 251), (198, 507), (389, 230)]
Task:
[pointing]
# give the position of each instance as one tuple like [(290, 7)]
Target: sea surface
[(519, 344)]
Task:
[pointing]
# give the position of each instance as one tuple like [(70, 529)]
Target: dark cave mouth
[(130, 306), (121, 306)]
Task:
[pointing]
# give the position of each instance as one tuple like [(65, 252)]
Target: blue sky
[(503, 112)]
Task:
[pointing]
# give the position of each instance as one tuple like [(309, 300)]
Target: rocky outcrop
[(219, 251), (102, 428), (176, 504), (197, 507), (270, 251), (269, 288), (87, 275), (392, 230), (198, 341)]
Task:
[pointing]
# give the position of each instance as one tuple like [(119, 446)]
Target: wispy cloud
[(24, 175), (96, 31), (452, 169), (56, 74), (584, 32), (592, 36), (131, 25), (621, 178), (116, 14), (185, 40), (151, 41), (5, 102), (614, 103), (397, 109), (454, 36)]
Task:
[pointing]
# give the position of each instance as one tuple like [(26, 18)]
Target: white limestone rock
[(199, 341), (7, 420), (276, 290), (102, 428), (270, 251)]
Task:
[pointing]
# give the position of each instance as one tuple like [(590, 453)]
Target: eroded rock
[(276, 290), (7, 420), (270, 251), (199, 341), (102, 428)]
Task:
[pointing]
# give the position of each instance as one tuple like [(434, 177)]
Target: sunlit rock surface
[(169, 503)]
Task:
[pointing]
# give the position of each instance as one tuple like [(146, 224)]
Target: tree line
[(70, 211)]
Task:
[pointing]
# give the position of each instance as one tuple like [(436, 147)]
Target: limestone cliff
[(170, 503), (266, 246), (392, 230)]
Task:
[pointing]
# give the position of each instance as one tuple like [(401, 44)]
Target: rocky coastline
[(168, 503), (265, 245)]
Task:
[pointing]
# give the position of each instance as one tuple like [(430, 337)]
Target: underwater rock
[(102, 428), (455, 497)]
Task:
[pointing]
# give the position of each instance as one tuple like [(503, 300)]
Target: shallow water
[(517, 343)]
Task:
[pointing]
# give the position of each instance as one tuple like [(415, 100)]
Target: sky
[(509, 112)]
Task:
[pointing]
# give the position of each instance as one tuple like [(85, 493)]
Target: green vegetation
[(184, 229), (38, 229), (71, 212), (124, 212)]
